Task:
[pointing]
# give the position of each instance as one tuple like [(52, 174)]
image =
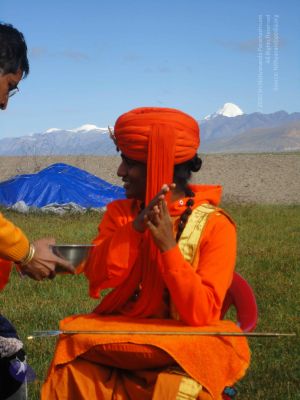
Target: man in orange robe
[(163, 262)]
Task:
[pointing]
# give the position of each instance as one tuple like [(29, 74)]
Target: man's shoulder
[(220, 218)]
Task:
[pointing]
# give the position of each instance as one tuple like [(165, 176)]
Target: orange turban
[(160, 137)]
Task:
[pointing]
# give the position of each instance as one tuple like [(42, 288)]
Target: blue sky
[(93, 60)]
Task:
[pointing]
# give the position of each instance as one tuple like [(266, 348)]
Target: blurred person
[(36, 259), (163, 261)]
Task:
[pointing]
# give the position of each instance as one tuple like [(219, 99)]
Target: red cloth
[(5, 270)]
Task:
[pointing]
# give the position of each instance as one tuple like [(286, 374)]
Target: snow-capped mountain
[(229, 110), (89, 127), (221, 126), (82, 128), (222, 132), (86, 139), (256, 132)]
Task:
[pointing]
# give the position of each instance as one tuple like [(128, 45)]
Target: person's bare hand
[(139, 223), (160, 225), (44, 261)]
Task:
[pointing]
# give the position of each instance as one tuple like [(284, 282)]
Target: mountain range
[(228, 130)]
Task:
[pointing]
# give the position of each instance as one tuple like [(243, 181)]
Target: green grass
[(268, 257)]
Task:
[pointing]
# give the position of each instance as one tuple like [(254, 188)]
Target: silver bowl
[(75, 253)]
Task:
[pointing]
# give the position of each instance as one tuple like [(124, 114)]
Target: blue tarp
[(59, 184)]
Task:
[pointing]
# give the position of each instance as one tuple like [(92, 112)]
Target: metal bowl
[(75, 253)]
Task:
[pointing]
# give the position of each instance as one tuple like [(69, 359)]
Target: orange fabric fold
[(160, 159), (102, 381), (214, 362)]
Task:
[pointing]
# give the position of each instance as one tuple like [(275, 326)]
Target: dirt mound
[(258, 178)]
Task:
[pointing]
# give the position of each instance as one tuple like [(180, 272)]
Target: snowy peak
[(80, 129), (228, 110), (52, 130), (86, 127)]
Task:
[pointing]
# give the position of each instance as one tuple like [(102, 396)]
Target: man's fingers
[(156, 219), (155, 200), (156, 209), (151, 226), (64, 265), (153, 216), (167, 187), (161, 195), (164, 207), (32, 276), (35, 276), (149, 223)]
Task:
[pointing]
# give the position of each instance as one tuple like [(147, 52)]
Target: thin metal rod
[(160, 333)]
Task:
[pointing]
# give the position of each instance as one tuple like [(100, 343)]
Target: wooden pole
[(161, 333)]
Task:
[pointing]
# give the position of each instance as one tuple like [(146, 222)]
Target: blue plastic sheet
[(59, 184)]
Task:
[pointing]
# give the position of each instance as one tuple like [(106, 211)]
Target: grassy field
[(268, 257)]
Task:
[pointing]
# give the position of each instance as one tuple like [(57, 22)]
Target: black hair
[(13, 51), (183, 172)]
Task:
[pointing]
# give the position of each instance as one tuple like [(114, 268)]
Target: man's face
[(8, 82), (134, 176)]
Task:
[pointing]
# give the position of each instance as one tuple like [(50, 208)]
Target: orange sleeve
[(198, 295), (14, 245), (117, 247)]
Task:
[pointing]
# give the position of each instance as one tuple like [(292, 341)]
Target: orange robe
[(14, 246), (197, 294)]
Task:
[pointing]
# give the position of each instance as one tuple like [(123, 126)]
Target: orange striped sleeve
[(14, 244)]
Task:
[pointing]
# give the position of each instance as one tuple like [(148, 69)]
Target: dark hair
[(183, 172), (13, 51)]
